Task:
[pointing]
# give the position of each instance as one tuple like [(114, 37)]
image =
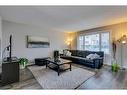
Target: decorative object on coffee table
[(56, 54), (23, 62)]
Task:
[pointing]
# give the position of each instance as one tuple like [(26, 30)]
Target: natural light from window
[(94, 42)]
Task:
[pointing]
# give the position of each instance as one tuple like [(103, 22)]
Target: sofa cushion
[(73, 52), (80, 53), (85, 53)]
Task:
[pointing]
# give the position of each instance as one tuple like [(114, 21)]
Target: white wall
[(19, 33), (0, 41)]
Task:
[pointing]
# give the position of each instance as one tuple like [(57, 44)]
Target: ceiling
[(65, 18)]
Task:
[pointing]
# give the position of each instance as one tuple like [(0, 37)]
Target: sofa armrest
[(98, 62)]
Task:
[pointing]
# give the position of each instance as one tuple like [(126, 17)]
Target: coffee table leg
[(46, 64), (58, 70), (70, 66)]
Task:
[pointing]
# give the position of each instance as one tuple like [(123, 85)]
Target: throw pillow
[(65, 52), (89, 56), (92, 56), (96, 56), (68, 53)]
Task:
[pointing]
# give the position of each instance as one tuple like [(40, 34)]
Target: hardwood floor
[(103, 79), (27, 81), (106, 79)]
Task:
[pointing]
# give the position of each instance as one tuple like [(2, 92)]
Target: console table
[(10, 72)]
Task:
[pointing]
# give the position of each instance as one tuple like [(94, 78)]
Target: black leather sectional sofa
[(78, 56)]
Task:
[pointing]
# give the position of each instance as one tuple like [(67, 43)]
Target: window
[(80, 43), (94, 42)]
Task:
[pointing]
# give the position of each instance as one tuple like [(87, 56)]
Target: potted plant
[(114, 61), (23, 62)]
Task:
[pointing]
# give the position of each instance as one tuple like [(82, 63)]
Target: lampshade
[(123, 39), (69, 40)]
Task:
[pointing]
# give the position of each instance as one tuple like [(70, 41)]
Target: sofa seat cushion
[(81, 58)]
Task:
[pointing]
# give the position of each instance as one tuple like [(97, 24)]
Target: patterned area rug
[(49, 79)]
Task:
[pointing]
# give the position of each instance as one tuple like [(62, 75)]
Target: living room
[(90, 40)]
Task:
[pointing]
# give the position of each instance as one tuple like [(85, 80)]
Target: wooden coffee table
[(58, 65)]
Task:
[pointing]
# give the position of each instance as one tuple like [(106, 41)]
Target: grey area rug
[(49, 79)]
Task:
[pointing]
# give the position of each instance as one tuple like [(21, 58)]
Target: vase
[(23, 62), (22, 67), (114, 66)]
